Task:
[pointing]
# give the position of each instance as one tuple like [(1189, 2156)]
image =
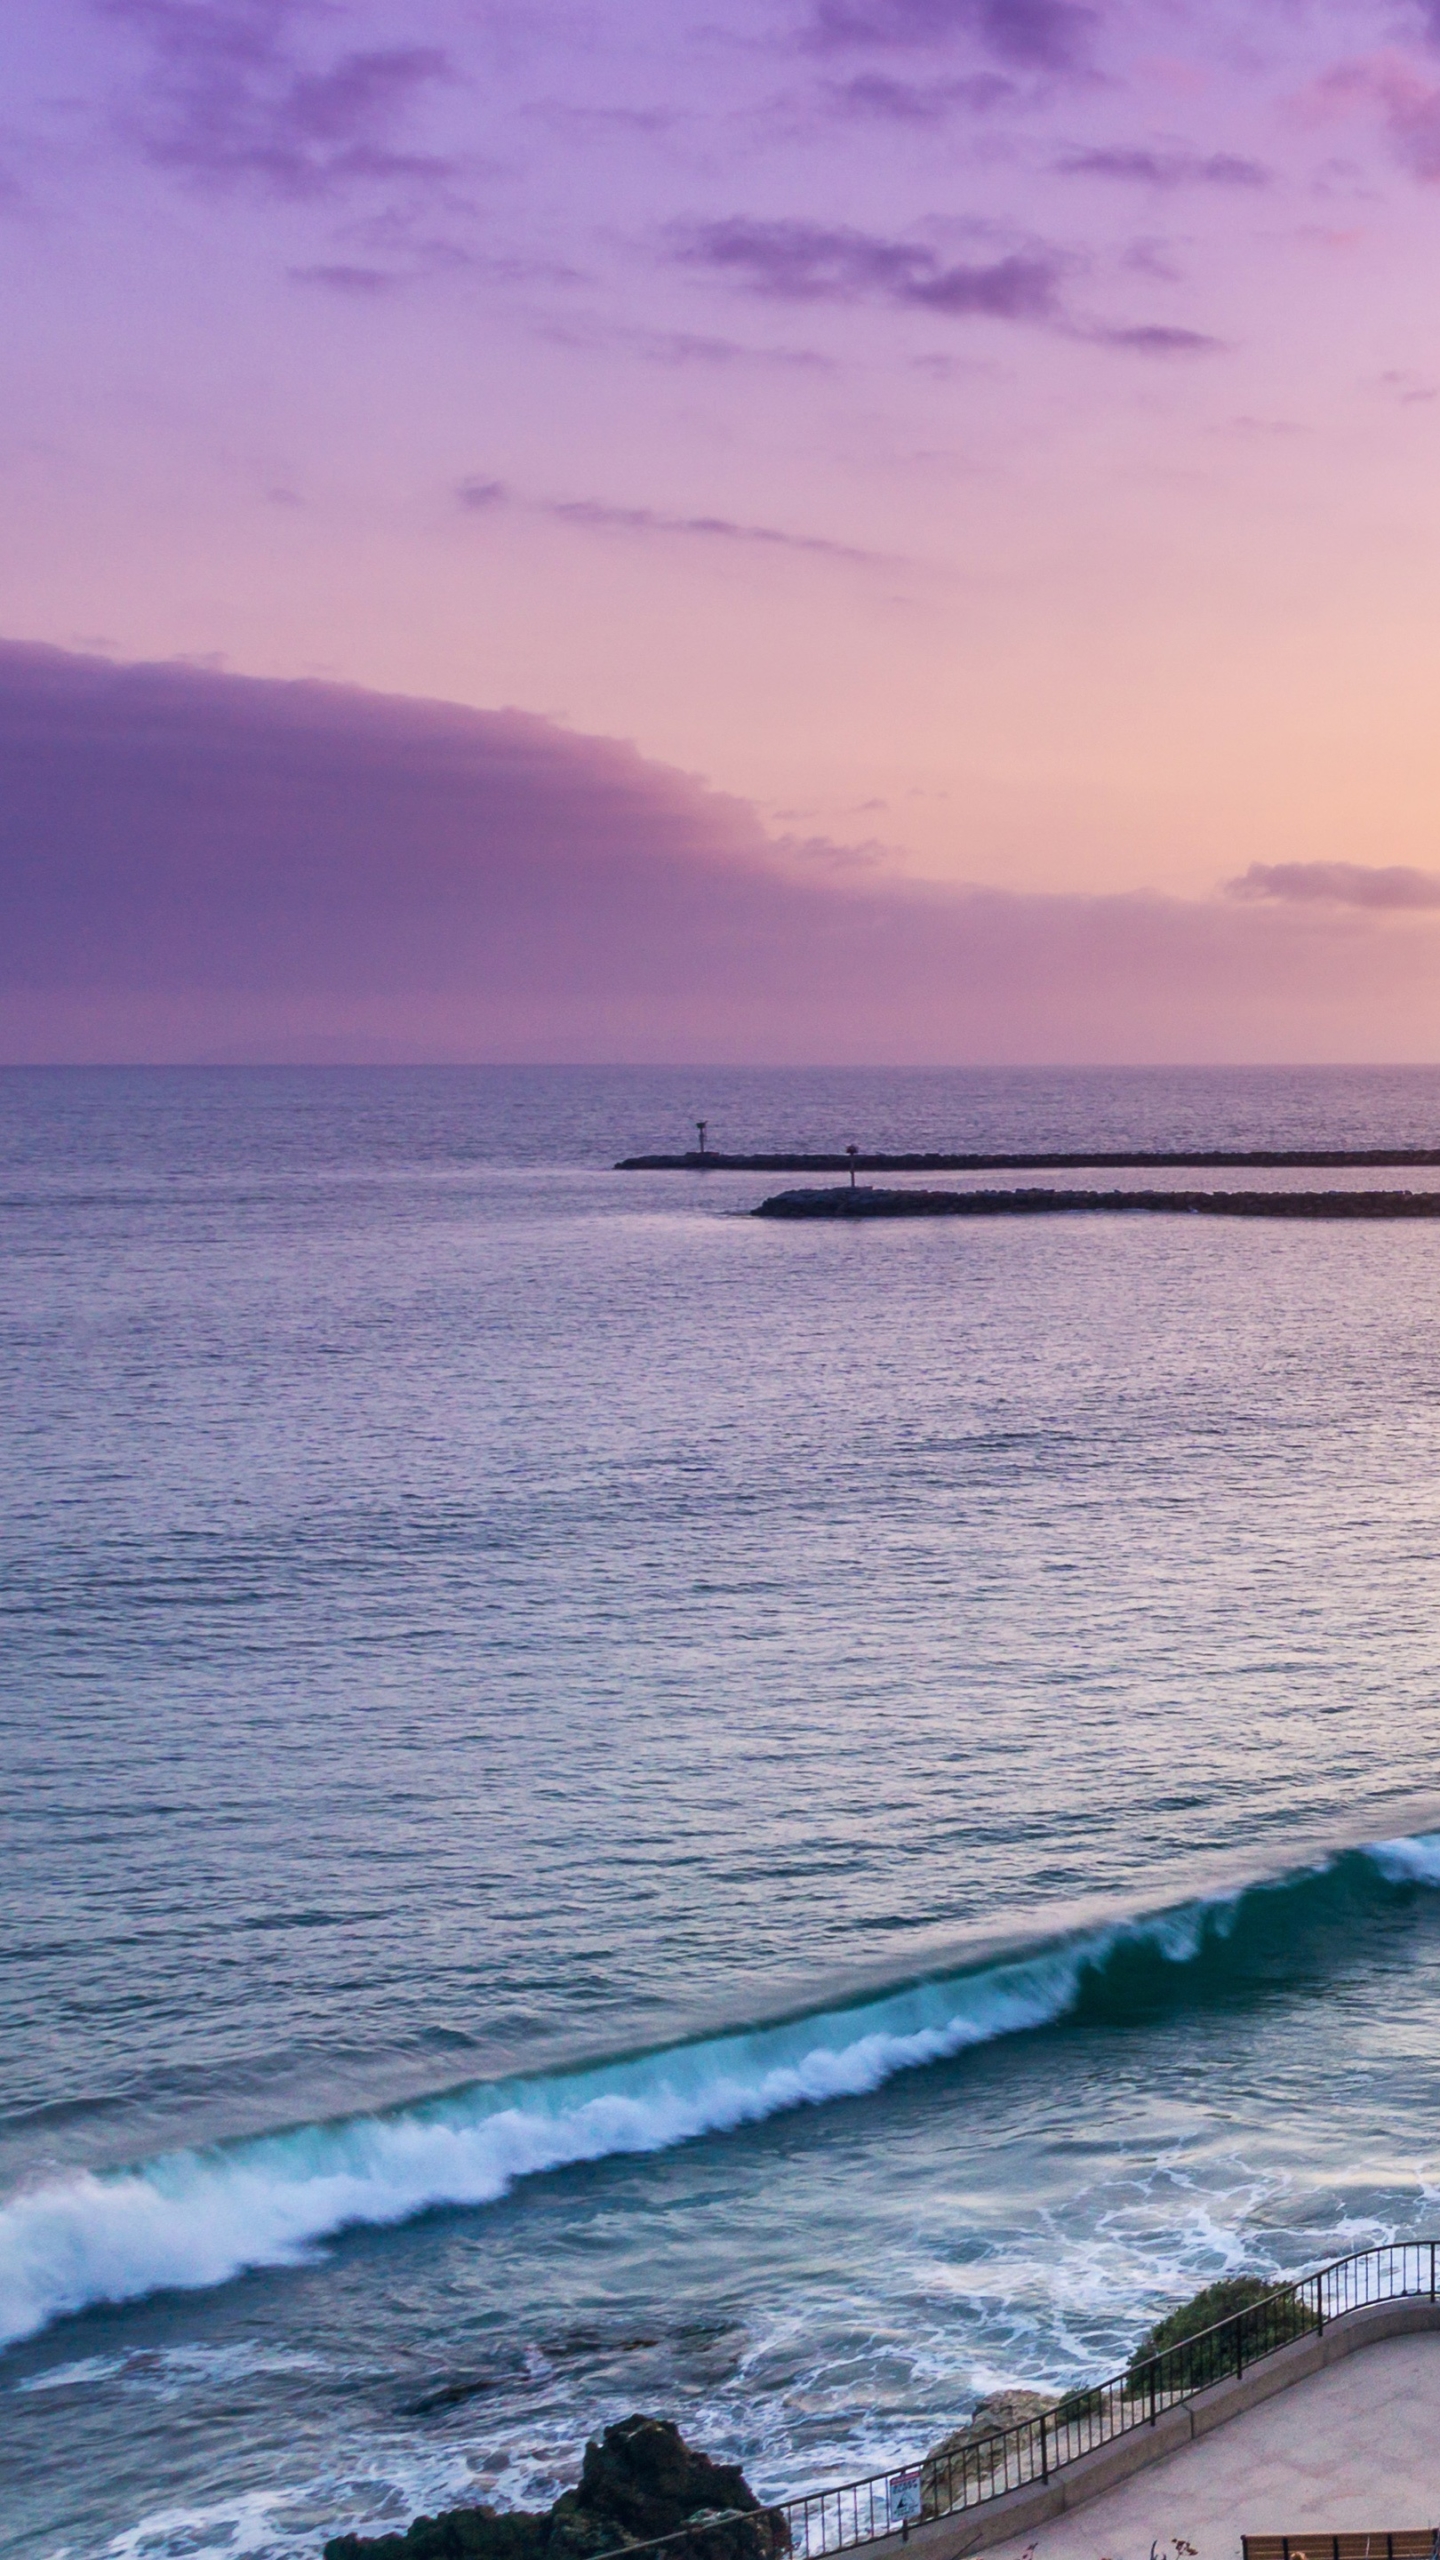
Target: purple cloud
[(598, 515), (1166, 168), (871, 93), (194, 864), (1044, 35), (1408, 105), (685, 347), (680, 347), (1410, 389), (1152, 338), (360, 283), (810, 262), (229, 100), (1342, 884), (166, 827), (603, 518)]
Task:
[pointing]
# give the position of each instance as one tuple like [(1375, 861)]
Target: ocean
[(607, 1805)]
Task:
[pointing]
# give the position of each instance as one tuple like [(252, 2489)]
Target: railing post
[(1239, 2346), (1044, 2453), (1432, 2270)]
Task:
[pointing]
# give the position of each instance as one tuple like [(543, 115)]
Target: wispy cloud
[(624, 124), (873, 93), (229, 98), (1340, 884), (681, 347), (1412, 390), (1408, 104), (602, 518), (1047, 35), (599, 515), (812, 262), (1153, 338), (359, 283), (1166, 168)]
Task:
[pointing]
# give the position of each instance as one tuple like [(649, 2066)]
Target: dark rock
[(640, 2481), (449, 2395), (462, 2533), (974, 2452)]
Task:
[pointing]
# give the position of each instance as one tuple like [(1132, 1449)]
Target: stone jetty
[(1113, 1160), (844, 1200)]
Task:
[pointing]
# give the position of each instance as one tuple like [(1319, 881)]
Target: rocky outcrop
[(974, 2452), (640, 2481)]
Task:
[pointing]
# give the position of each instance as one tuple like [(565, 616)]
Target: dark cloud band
[(1339, 884), (197, 864)]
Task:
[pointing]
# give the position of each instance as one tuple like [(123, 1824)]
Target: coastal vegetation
[(1193, 2345)]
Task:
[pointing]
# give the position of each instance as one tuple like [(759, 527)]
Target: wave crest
[(198, 2218)]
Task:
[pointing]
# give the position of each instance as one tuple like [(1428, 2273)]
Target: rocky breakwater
[(861, 1201), (640, 2481), (972, 2455)]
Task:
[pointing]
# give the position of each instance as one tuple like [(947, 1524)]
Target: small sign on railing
[(902, 2491)]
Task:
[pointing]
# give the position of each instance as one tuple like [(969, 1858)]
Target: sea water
[(608, 1805)]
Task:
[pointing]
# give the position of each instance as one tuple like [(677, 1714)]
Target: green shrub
[(1189, 2347), (1080, 2406)]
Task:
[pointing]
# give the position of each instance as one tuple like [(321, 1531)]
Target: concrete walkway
[(1354, 2448)]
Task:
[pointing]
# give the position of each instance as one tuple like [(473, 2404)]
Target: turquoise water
[(610, 1805)]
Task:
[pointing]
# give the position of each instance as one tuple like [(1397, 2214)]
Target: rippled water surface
[(607, 1804)]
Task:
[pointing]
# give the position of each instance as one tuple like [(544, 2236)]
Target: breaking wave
[(197, 2218)]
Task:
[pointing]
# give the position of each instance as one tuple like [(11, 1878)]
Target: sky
[(959, 476)]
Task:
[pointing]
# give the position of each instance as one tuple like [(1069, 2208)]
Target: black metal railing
[(890, 2502)]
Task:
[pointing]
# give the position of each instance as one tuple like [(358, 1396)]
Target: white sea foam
[(1414, 1861), (169, 2370), (196, 2218)]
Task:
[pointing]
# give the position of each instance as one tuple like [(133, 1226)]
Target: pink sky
[(989, 444)]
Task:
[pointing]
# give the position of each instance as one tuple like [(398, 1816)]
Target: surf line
[(198, 2218), (852, 1200)]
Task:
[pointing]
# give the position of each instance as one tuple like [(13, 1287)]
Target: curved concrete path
[(1354, 2447)]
